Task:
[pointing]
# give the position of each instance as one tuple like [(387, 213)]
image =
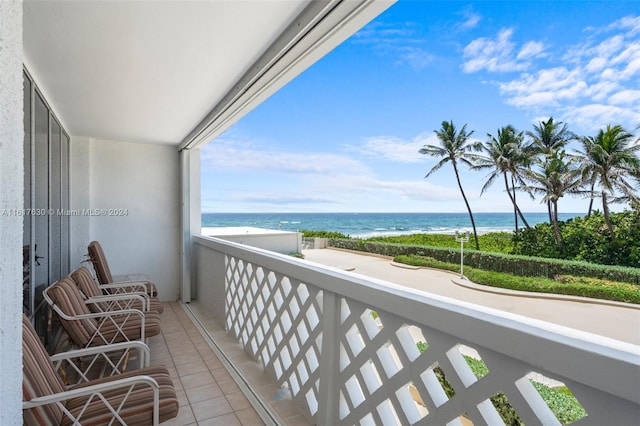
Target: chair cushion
[(85, 282), (38, 378), (130, 327), (90, 288), (138, 408), (101, 266), (96, 254), (67, 297)]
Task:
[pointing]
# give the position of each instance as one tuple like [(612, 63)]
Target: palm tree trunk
[(464, 197), (607, 218), (521, 215), (515, 212), (549, 210), (556, 227), (593, 184), (515, 206)]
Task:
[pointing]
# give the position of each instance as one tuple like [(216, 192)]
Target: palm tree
[(555, 178), (609, 159), (454, 147), (547, 138), (509, 158)]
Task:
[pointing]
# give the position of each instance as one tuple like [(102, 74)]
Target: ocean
[(365, 225)]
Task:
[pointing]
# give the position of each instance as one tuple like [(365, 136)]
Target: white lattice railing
[(355, 350)]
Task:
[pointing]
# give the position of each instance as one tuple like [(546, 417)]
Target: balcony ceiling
[(145, 71)]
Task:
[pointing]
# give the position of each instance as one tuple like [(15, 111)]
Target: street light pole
[(462, 238)]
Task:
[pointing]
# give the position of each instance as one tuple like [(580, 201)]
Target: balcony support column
[(329, 397), (190, 221)]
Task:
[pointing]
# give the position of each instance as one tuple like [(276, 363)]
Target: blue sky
[(344, 135)]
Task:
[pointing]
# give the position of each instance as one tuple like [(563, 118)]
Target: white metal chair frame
[(96, 392), (105, 317), (114, 356), (120, 301)]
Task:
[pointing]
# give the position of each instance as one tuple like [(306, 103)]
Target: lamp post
[(462, 238)]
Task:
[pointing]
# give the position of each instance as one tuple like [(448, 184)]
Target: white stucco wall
[(284, 242), (143, 180), (11, 197), (80, 199)]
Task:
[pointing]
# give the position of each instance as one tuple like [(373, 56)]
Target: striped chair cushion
[(101, 266), (138, 408), (89, 287), (100, 263), (38, 378), (67, 297), (125, 328), (85, 282)]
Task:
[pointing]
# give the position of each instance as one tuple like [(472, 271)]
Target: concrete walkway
[(618, 321)]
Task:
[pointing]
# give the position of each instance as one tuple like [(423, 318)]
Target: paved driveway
[(620, 322)]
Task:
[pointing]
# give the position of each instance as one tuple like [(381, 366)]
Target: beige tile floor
[(207, 393), (284, 411)]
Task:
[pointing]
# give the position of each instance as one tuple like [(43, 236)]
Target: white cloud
[(596, 64), (228, 154), (532, 49), (631, 23), (278, 198), (597, 80), (471, 19), (592, 117), (499, 54), (400, 40), (416, 57), (625, 97), (394, 149), (253, 177), (545, 88)]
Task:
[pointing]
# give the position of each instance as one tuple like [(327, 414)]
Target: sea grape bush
[(586, 239)]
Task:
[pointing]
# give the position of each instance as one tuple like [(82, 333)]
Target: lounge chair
[(103, 273), (88, 286), (86, 328), (140, 397)]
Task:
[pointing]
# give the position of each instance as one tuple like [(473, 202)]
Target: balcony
[(349, 350), (114, 124)]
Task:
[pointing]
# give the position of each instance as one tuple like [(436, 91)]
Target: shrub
[(323, 234), (560, 400), (586, 239), (575, 286), (498, 262)]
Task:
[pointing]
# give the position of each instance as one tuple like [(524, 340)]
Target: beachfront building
[(104, 106)]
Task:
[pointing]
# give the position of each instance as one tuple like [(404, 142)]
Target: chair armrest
[(119, 285), (107, 314), (128, 300), (83, 360), (106, 317), (133, 276), (134, 285), (96, 392)]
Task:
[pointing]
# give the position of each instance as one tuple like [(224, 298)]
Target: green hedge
[(569, 285), (526, 266)]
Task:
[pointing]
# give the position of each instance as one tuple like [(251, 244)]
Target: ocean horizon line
[(363, 212), (372, 224)]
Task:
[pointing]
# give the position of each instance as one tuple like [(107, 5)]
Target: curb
[(528, 294), (534, 295)]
